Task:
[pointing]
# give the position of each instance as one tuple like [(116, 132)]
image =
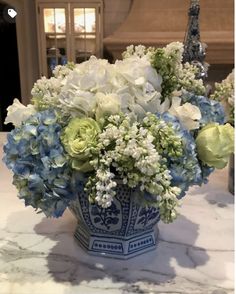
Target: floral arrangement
[(224, 93), (144, 120)]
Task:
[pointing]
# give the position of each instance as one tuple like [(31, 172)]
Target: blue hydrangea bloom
[(211, 110), (187, 169), (42, 174)]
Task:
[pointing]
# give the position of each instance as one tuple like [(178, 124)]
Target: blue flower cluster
[(211, 110), (41, 172), (185, 170)]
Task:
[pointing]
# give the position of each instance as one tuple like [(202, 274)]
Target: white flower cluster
[(175, 50), (138, 51), (128, 148), (104, 188), (186, 73), (45, 92), (61, 71), (97, 89), (17, 113), (188, 114), (229, 81), (188, 81), (132, 84), (224, 92)]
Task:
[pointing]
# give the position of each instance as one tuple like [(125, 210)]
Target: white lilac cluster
[(128, 149), (187, 81), (224, 92), (175, 51), (61, 71), (45, 92), (105, 187), (185, 72), (139, 51)]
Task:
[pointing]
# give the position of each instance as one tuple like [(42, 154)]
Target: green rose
[(215, 143), (79, 139)]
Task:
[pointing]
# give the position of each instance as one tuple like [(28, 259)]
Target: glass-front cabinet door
[(85, 31), (68, 31), (53, 37)]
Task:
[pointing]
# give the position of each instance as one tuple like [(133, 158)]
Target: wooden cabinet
[(68, 31)]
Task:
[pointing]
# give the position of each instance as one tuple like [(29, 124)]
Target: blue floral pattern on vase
[(123, 230), (106, 218), (146, 218)]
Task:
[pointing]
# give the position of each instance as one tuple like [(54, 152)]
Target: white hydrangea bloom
[(138, 71), (139, 85), (133, 81), (77, 102), (92, 75), (77, 97)]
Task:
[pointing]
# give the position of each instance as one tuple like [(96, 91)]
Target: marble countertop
[(195, 254)]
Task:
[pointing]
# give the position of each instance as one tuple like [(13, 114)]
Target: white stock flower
[(107, 104), (17, 113), (188, 114)]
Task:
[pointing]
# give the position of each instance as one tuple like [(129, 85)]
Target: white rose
[(188, 114), (17, 113), (107, 105)]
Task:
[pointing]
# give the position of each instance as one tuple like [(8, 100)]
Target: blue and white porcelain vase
[(123, 230)]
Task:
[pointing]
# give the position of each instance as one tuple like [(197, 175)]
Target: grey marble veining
[(194, 254)]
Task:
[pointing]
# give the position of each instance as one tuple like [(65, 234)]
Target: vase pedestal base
[(116, 246)]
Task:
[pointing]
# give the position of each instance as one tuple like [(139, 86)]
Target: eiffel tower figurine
[(194, 50)]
